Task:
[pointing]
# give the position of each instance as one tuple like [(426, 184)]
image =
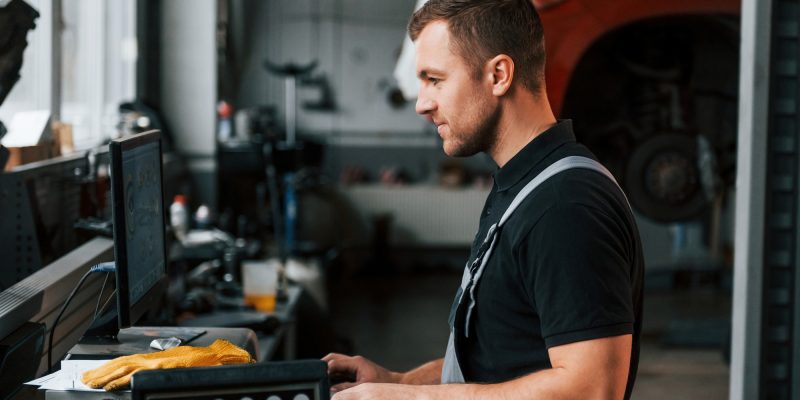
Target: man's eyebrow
[(423, 74)]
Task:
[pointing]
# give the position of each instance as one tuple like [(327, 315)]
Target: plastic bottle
[(225, 128), (202, 217), (179, 217)]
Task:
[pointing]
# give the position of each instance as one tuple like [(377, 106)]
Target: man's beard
[(482, 138)]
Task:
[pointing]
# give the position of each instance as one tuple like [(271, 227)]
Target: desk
[(269, 343), (137, 340), (133, 342), (287, 331), (67, 395)]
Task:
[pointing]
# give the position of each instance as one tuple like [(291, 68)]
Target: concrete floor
[(400, 321)]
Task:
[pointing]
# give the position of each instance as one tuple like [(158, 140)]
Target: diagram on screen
[(143, 218)]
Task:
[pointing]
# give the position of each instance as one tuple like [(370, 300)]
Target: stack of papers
[(69, 376)]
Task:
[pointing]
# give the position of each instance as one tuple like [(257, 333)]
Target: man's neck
[(524, 117)]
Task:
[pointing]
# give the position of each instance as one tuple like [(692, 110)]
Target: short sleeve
[(576, 270)]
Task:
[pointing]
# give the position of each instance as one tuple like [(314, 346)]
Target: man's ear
[(501, 70)]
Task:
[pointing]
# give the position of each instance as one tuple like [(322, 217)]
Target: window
[(98, 66), (33, 89), (97, 48)]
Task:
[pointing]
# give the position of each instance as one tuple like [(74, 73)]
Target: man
[(551, 302)]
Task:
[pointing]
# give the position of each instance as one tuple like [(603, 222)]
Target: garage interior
[(290, 143)]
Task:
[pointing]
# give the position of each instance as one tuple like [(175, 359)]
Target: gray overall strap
[(451, 371)]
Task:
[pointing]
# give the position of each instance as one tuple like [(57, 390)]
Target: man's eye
[(433, 80)]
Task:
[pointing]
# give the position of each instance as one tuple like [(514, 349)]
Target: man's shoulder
[(577, 190), (575, 186)]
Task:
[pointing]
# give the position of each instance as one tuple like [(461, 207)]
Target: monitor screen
[(138, 215)]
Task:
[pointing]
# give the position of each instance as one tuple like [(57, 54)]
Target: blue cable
[(102, 267), (110, 266)]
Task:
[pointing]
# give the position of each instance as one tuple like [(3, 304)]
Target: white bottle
[(179, 217)]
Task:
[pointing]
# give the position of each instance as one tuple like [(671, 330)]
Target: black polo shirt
[(568, 266)]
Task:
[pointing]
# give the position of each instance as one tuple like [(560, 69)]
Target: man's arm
[(593, 370), (426, 374), (353, 371)]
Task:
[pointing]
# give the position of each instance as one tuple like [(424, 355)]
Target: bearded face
[(453, 97)]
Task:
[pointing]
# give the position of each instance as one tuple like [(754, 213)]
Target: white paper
[(28, 128), (69, 376), (42, 380)]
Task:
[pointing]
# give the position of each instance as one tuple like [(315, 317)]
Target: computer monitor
[(139, 224)]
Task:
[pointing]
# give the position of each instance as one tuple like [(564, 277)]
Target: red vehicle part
[(642, 76), (572, 26)]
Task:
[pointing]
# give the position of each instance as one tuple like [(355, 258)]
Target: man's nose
[(424, 104)]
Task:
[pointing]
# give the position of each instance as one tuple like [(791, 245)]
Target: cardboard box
[(30, 138), (62, 135), (61, 143), (28, 154)]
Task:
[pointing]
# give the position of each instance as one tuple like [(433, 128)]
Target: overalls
[(464, 303)]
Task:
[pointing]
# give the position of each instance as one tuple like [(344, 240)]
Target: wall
[(356, 43)]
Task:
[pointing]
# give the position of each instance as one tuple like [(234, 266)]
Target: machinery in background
[(274, 171), (263, 167), (291, 72), (664, 120), (286, 159), (664, 117)]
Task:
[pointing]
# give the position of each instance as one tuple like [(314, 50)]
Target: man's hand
[(352, 371)]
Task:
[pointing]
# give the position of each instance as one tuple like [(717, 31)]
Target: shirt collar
[(532, 154)]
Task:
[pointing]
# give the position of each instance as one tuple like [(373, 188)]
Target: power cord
[(105, 303), (100, 296), (102, 267)]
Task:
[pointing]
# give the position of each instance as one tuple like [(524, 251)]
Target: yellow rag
[(116, 374)]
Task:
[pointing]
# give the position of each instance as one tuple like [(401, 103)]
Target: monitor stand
[(105, 340), (104, 329)]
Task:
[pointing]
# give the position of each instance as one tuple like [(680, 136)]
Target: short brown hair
[(482, 29)]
